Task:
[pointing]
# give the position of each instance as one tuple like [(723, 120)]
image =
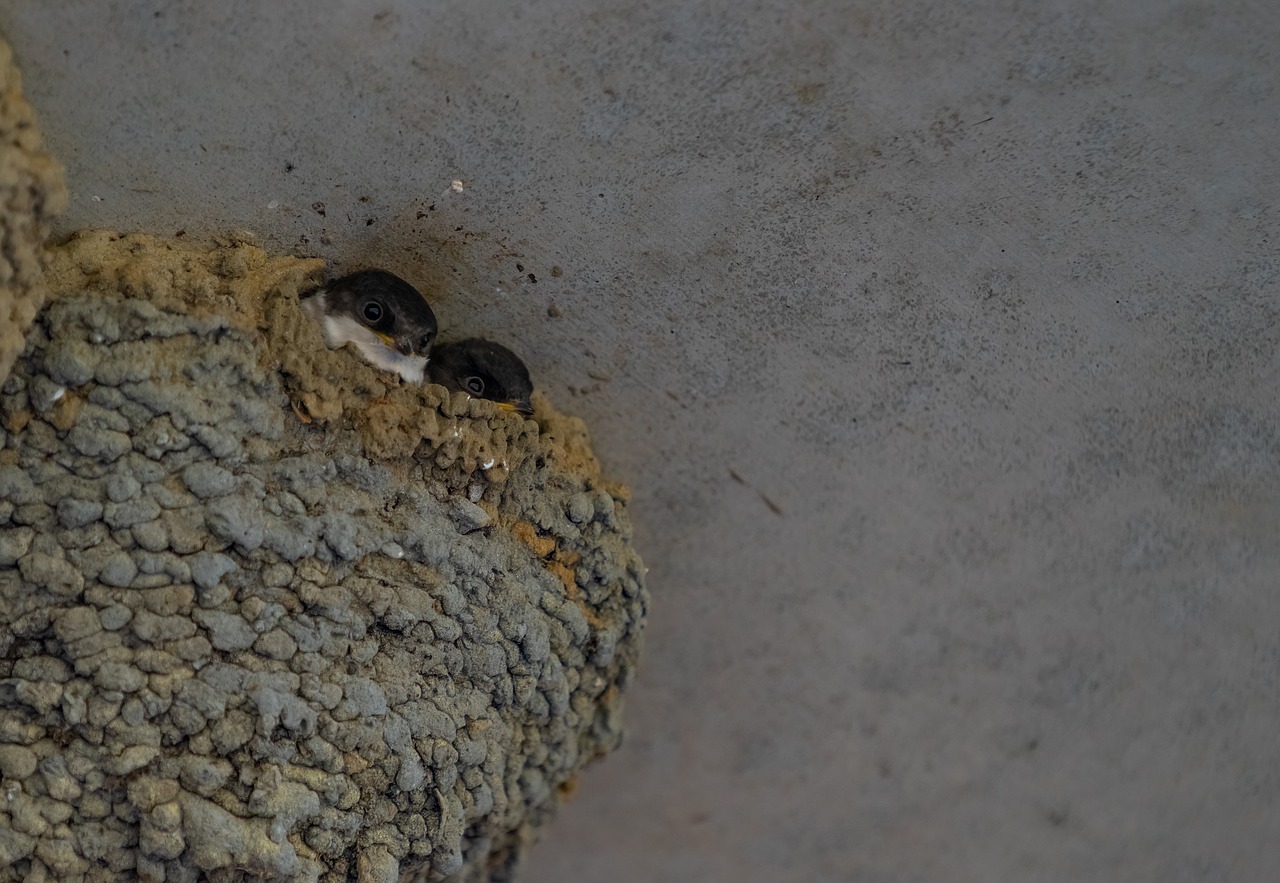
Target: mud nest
[(266, 612), (31, 190)]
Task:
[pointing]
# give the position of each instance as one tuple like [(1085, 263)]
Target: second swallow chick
[(485, 370)]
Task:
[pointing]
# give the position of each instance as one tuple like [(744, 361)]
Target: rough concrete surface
[(978, 301), (248, 631)]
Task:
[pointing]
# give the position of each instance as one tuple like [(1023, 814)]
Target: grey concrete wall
[(938, 340)]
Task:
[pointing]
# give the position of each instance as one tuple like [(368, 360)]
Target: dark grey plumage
[(483, 369), (387, 319)]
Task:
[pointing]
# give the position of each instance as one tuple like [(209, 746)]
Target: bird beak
[(388, 340), (517, 407)]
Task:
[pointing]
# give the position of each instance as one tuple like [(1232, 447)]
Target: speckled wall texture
[(938, 341)]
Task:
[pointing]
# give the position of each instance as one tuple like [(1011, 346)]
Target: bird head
[(484, 370), (384, 317)]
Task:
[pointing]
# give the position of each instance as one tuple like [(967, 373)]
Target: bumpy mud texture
[(267, 613), (31, 189)]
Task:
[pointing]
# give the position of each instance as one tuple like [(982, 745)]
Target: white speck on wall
[(275, 203), (456, 185)]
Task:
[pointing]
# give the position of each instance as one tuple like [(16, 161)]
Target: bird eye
[(372, 311), (475, 386), (424, 343)]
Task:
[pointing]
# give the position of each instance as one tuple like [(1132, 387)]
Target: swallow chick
[(484, 370), (387, 319)]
